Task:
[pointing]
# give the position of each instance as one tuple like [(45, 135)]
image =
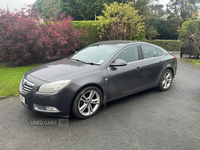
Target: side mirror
[(118, 62)]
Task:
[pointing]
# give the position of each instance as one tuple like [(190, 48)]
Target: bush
[(169, 45), (121, 22), (189, 27), (59, 39), (151, 32), (91, 28), (190, 36), (24, 42), (18, 36)]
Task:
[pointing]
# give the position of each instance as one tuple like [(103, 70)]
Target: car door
[(153, 64), (125, 79)]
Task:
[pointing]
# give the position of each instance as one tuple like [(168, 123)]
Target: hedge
[(92, 31), (169, 45)]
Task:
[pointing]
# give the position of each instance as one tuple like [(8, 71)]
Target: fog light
[(39, 107), (49, 108), (45, 108)]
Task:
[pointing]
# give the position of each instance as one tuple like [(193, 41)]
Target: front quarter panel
[(98, 79)]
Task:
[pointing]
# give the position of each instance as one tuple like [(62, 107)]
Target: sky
[(18, 4), (14, 4)]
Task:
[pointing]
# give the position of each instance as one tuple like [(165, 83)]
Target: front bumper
[(57, 104)]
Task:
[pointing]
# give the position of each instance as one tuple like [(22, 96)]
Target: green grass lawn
[(193, 61), (10, 79)]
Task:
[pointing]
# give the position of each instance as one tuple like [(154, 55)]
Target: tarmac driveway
[(150, 120)]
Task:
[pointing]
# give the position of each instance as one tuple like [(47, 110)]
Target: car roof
[(117, 43), (124, 43)]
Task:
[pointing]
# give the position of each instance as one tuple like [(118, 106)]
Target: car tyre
[(166, 80), (87, 102)]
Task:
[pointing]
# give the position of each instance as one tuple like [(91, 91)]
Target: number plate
[(22, 99)]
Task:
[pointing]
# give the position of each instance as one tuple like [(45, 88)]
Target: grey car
[(100, 73)]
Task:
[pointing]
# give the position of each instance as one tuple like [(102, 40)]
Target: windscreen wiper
[(91, 63), (78, 60)]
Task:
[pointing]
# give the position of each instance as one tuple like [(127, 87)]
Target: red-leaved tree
[(59, 38), (23, 41)]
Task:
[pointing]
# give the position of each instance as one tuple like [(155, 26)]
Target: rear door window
[(149, 51)]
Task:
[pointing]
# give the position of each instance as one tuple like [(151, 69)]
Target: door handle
[(160, 62)]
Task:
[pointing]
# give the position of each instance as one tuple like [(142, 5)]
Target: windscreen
[(96, 54)]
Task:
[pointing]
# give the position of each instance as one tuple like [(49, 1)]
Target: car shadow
[(110, 108), (134, 98)]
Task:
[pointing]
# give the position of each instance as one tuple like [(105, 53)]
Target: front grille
[(27, 86)]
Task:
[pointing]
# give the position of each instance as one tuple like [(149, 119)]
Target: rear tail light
[(175, 57)]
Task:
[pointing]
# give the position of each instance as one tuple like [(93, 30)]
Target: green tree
[(185, 8), (70, 7), (159, 24), (167, 29), (84, 9), (88, 8), (144, 6), (151, 32), (121, 22), (173, 25), (156, 10), (47, 8)]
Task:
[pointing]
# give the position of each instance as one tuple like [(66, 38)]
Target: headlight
[(53, 87)]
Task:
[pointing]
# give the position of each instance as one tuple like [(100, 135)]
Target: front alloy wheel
[(166, 80), (87, 103)]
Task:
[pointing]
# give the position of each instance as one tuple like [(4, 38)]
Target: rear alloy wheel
[(166, 80), (87, 103)]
